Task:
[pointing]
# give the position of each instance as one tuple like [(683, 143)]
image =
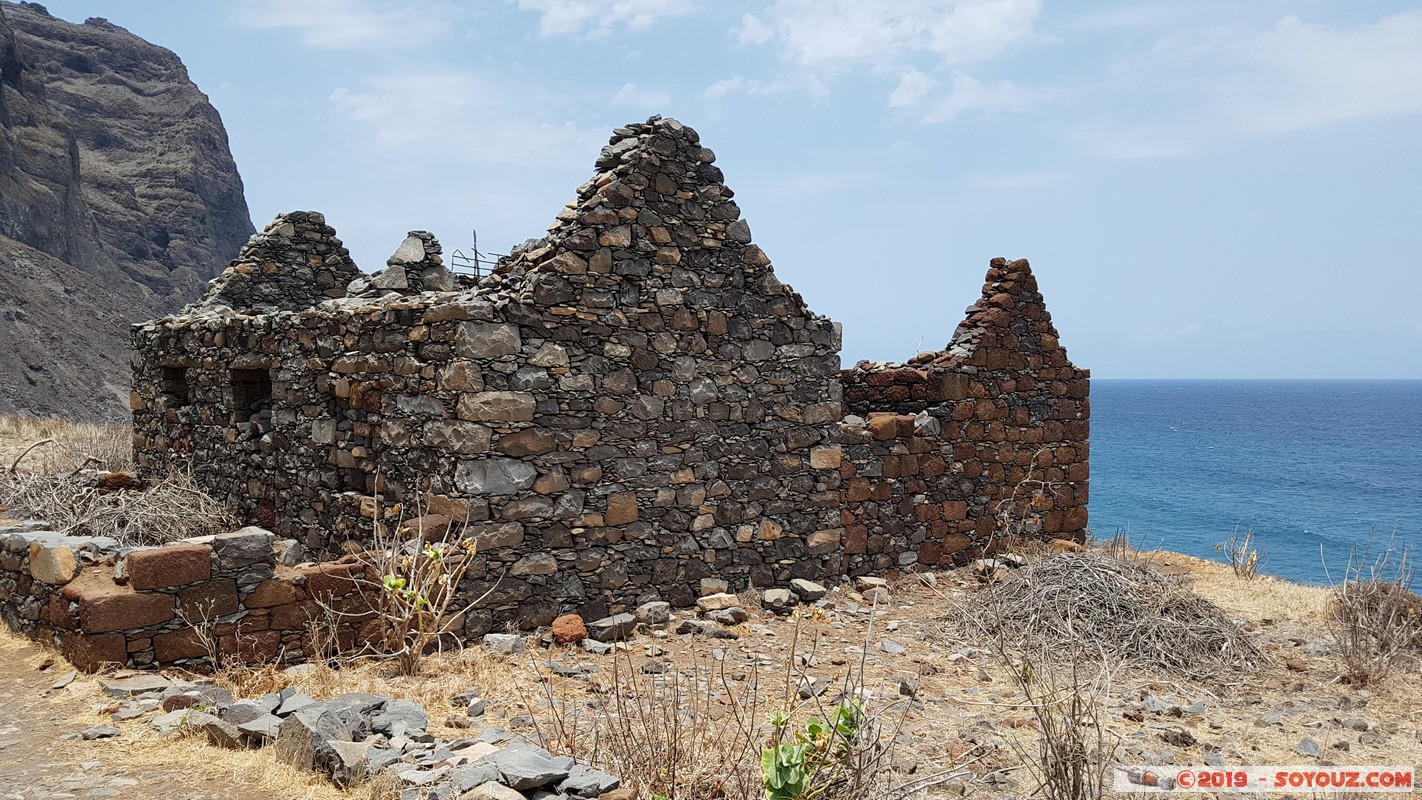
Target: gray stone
[(504, 643), (728, 616), (169, 722), (260, 729), (528, 767), (100, 732), (891, 648), (484, 339), (613, 628), (777, 600), (1308, 747), (535, 564), (492, 790), (218, 732), (809, 591), (469, 776), (656, 612), (399, 717), (713, 586), (134, 685), (347, 762), (243, 547), (583, 781), (294, 703), (495, 476)]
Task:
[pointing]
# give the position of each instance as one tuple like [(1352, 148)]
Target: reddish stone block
[(56, 612), (932, 466), (209, 600), (257, 647), (569, 629), (170, 647), (1073, 520), (955, 543), (930, 553), (105, 606), (294, 617), (883, 490), (621, 508), (173, 565), (91, 653), (883, 426), (926, 512), (858, 490), (274, 592), (856, 539), (955, 510), (333, 580)]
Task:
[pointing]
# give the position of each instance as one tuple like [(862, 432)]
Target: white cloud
[(599, 18), (970, 94), (723, 87), (1312, 74), (633, 96), (462, 116), (913, 85), (349, 24), (841, 34)]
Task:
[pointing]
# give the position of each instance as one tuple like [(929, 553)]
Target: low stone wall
[(100, 603)]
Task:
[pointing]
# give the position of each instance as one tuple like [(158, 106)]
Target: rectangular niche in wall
[(251, 393), (174, 385)]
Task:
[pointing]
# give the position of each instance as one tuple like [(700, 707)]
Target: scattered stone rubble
[(355, 737), (625, 407)]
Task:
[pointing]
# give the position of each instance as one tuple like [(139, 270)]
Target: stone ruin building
[(624, 407)]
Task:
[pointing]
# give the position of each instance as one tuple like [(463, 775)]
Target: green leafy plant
[(807, 764)]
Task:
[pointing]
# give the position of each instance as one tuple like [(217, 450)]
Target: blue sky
[(1205, 189)]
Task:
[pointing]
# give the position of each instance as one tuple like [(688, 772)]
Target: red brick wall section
[(952, 453), (180, 604)]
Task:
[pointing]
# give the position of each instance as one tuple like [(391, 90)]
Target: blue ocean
[(1313, 467)]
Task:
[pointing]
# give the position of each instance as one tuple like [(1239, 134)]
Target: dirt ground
[(964, 732)]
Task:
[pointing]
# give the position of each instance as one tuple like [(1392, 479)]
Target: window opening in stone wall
[(174, 385), (251, 393)]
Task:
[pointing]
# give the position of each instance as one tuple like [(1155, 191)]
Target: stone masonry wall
[(628, 405), (631, 404), (152, 606), (984, 439)]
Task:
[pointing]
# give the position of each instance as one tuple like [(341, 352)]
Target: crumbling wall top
[(292, 264)]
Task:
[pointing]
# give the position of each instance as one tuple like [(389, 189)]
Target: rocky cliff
[(119, 200)]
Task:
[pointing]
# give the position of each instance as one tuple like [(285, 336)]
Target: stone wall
[(987, 438), (632, 403), (629, 404), (151, 606)]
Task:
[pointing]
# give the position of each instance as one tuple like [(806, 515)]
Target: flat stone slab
[(134, 685)]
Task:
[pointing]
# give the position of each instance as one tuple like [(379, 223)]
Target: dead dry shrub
[(1126, 610), (1375, 617), (165, 511), (1065, 692), (411, 584)]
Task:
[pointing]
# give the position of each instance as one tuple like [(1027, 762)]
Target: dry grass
[(68, 446), (1127, 610)]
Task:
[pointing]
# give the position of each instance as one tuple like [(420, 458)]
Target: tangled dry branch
[(171, 509), (1124, 610)]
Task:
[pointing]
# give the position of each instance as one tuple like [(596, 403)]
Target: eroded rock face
[(119, 199)]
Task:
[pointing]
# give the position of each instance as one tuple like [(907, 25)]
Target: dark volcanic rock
[(119, 200)]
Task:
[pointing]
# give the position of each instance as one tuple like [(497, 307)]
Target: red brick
[(173, 565), (274, 592), (209, 599), (89, 653)]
